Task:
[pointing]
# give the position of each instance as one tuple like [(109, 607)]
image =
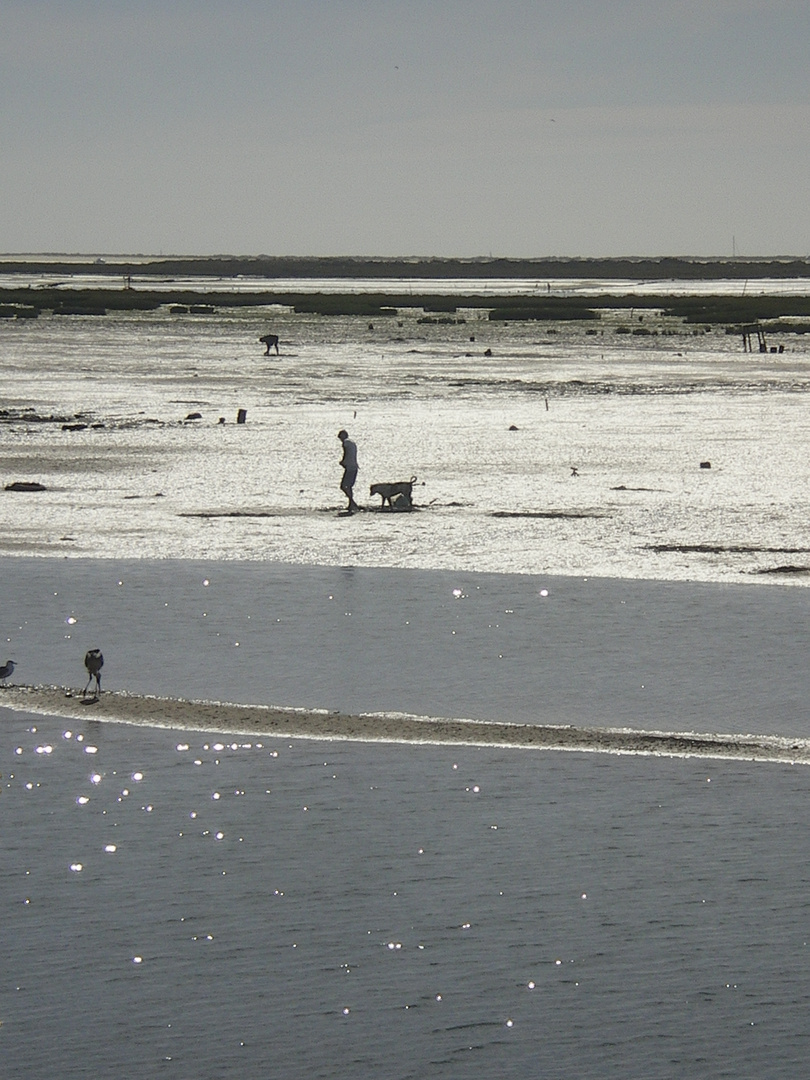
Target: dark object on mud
[(241, 416), (26, 485), (705, 464), (747, 337), (194, 416), (201, 309), (730, 549), (790, 569), (18, 311), (74, 427), (487, 352), (269, 340), (94, 662), (513, 427), (7, 670), (546, 514), (179, 309)]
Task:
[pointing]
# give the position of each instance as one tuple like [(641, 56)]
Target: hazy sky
[(401, 127)]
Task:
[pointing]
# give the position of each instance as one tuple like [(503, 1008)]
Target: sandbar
[(267, 720)]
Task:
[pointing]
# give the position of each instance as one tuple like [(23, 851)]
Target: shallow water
[(188, 907), (604, 653)]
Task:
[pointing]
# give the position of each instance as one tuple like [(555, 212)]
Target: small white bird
[(6, 670), (94, 662)]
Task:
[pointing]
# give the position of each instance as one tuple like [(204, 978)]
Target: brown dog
[(398, 496)]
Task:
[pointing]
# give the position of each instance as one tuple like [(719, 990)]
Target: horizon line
[(737, 258)]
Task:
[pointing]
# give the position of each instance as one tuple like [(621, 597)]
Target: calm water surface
[(187, 906)]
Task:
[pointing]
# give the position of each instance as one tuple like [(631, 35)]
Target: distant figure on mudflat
[(349, 463), (6, 670), (94, 662), (268, 340)]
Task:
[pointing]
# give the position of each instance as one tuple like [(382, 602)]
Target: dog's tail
[(412, 480)]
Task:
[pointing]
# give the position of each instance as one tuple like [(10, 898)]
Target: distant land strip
[(68, 298), (271, 266), (252, 720)]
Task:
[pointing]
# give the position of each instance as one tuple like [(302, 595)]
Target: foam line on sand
[(123, 708)]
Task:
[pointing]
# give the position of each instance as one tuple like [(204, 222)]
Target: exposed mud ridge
[(726, 549), (783, 570), (580, 388), (225, 717), (555, 514), (31, 416), (84, 421), (293, 511)]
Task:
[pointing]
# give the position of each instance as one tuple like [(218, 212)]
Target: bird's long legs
[(97, 691)]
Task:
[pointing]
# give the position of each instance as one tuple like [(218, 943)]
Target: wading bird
[(94, 662), (6, 670)]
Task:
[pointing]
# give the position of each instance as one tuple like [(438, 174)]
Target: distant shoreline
[(681, 268)]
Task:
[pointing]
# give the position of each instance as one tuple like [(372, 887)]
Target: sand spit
[(228, 718)]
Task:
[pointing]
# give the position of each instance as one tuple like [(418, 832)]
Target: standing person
[(349, 463)]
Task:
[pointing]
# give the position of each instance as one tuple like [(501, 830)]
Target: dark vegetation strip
[(543, 311), (713, 310), (680, 269)]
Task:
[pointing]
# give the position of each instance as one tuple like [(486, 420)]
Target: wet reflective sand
[(96, 412)]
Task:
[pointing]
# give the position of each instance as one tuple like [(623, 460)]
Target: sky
[(511, 128)]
